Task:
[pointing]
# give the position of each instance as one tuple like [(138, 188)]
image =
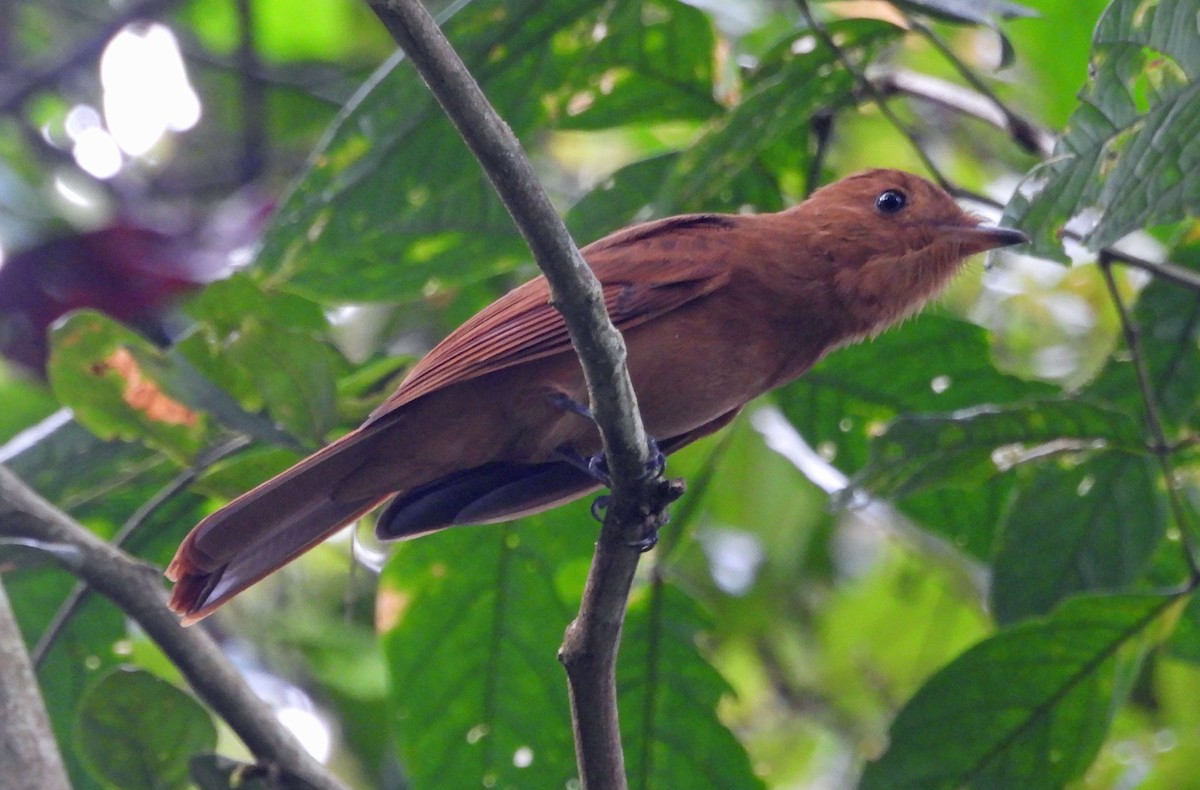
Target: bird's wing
[(642, 276)]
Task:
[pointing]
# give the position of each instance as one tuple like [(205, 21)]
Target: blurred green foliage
[(1000, 598)]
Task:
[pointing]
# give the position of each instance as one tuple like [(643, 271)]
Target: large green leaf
[(732, 164), (668, 699), (272, 351), (642, 62), (478, 695), (137, 731), (968, 447), (931, 364), (1130, 155), (618, 199), (1079, 527), (394, 201), (1028, 707), (969, 518)]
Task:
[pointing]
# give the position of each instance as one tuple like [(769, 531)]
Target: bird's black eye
[(891, 201)]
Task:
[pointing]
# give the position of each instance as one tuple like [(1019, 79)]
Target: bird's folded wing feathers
[(524, 326)]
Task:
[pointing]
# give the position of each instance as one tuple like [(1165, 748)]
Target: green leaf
[(1168, 321), (269, 350), (1089, 526), (1028, 707), (478, 694), (729, 165), (645, 62), (294, 374), (969, 447), (933, 363), (616, 201), (136, 730), (966, 517), (668, 696), (94, 369), (1130, 153), (81, 653), (478, 697), (25, 402), (394, 201)]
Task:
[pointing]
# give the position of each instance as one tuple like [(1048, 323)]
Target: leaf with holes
[(94, 369)]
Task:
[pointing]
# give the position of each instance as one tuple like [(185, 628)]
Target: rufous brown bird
[(715, 309)]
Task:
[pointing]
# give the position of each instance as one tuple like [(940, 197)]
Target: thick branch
[(80, 592), (590, 646), (137, 589), (28, 750)]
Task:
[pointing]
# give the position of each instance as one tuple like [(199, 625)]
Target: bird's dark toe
[(599, 505)]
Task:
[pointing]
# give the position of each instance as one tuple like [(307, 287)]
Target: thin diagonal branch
[(590, 644), (1160, 446), (1163, 270), (1033, 138), (872, 92), (80, 592), (137, 589), (1025, 133)]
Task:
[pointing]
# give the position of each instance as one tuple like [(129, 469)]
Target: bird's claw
[(597, 465), (599, 504), (649, 536), (648, 539)]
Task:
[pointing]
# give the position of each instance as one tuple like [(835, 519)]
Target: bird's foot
[(567, 403), (654, 517), (597, 465)]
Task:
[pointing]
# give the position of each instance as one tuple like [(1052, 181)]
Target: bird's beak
[(979, 238)]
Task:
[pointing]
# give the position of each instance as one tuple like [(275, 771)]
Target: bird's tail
[(266, 528)]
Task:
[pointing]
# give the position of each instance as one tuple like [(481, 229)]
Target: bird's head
[(893, 240)]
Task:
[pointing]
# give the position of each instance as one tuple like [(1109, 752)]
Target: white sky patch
[(146, 89)]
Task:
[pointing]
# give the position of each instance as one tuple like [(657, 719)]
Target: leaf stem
[(873, 93), (1160, 447)]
